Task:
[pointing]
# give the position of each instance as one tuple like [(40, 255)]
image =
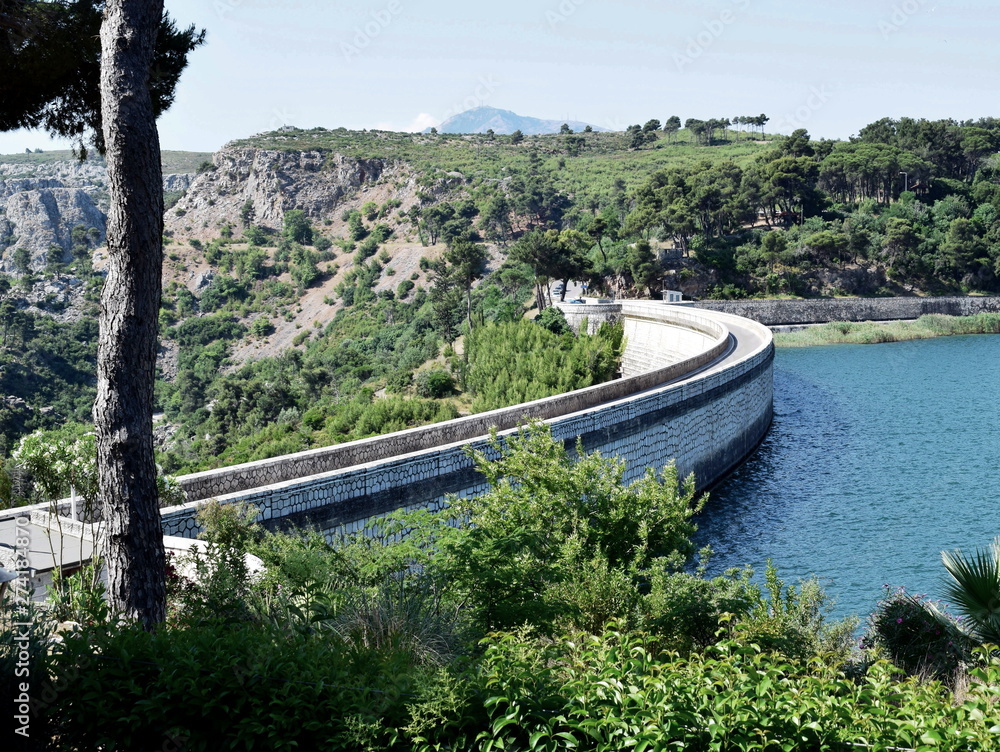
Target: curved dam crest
[(697, 387)]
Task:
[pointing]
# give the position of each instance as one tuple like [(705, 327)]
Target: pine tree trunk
[(130, 302)]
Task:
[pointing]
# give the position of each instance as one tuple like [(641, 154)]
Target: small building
[(672, 296), (37, 544)]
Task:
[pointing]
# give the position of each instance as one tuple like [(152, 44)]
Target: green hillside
[(350, 317), (600, 157), (174, 162)]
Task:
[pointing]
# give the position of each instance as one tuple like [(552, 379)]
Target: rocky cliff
[(41, 203), (41, 219), (271, 182)]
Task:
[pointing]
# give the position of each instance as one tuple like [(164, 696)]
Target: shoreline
[(880, 332)]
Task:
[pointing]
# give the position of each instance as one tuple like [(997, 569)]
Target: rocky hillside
[(269, 183), (45, 197), (254, 187)]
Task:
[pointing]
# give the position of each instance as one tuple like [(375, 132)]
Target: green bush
[(554, 320), (902, 629), (222, 291), (26, 659), (434, 383), (403, 288), (516, 362), (616, 691), (559, 540), (206, 329), (261, 327), (216, 686), (297, 227), (256, 235)]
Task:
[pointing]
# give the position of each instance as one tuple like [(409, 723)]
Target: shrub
[(519, 361), (903, 629), (256, 235), (616, 691), (559, 539), (261, 327), (221, 291), (206, 329), (356, 226), (403, 289), (398, 381), (297, 227), (554, 320), (381, 233), (434, 383), (213, 686)]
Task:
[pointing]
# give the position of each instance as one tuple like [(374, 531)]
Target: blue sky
[(405, 64)]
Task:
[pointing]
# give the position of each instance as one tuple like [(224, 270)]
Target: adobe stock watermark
[(224, 7), (487, 85), (704, 39), (900, 16), (364, 35), (614, 123), (817, 99), (21, 610), (563, 11), (280, 119)]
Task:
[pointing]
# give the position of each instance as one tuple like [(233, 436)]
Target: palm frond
[(974, 588)]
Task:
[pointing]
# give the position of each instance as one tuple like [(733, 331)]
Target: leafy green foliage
[(258, 410), (206, 329), (47, 364), (209, 687), (974, 587), (64, 460), (615, 691), (435, 383), (916, 636), (553, 320), (555, 541), (371, 642), (297, 227), (520, 361), (51, 55)]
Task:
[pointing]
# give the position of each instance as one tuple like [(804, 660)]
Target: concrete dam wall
[(697, 388), (786, 312)]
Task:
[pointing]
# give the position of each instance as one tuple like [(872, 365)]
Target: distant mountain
[(482, 119)]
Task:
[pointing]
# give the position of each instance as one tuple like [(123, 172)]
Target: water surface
[(879, 458)]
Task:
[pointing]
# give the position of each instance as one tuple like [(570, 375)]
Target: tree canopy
[(50, 58)]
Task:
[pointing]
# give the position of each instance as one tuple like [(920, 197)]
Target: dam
[(696, 387)]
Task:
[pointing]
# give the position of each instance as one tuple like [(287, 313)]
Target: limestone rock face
[(70, 172), (273, 182), (40, 204), (42, 219), (179, 182)]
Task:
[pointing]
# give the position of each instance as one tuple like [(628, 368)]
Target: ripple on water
[(879, 458)]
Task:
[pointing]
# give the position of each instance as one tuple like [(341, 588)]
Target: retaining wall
[(708, 419), (779, 312), (706, 340)]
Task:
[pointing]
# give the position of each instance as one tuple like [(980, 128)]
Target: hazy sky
[(830, 67)]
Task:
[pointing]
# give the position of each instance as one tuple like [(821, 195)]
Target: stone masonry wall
[(708, 423), (705, 343), (778, 312)]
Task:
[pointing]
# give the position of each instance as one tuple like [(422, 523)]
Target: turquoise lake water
[(879, 458)]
